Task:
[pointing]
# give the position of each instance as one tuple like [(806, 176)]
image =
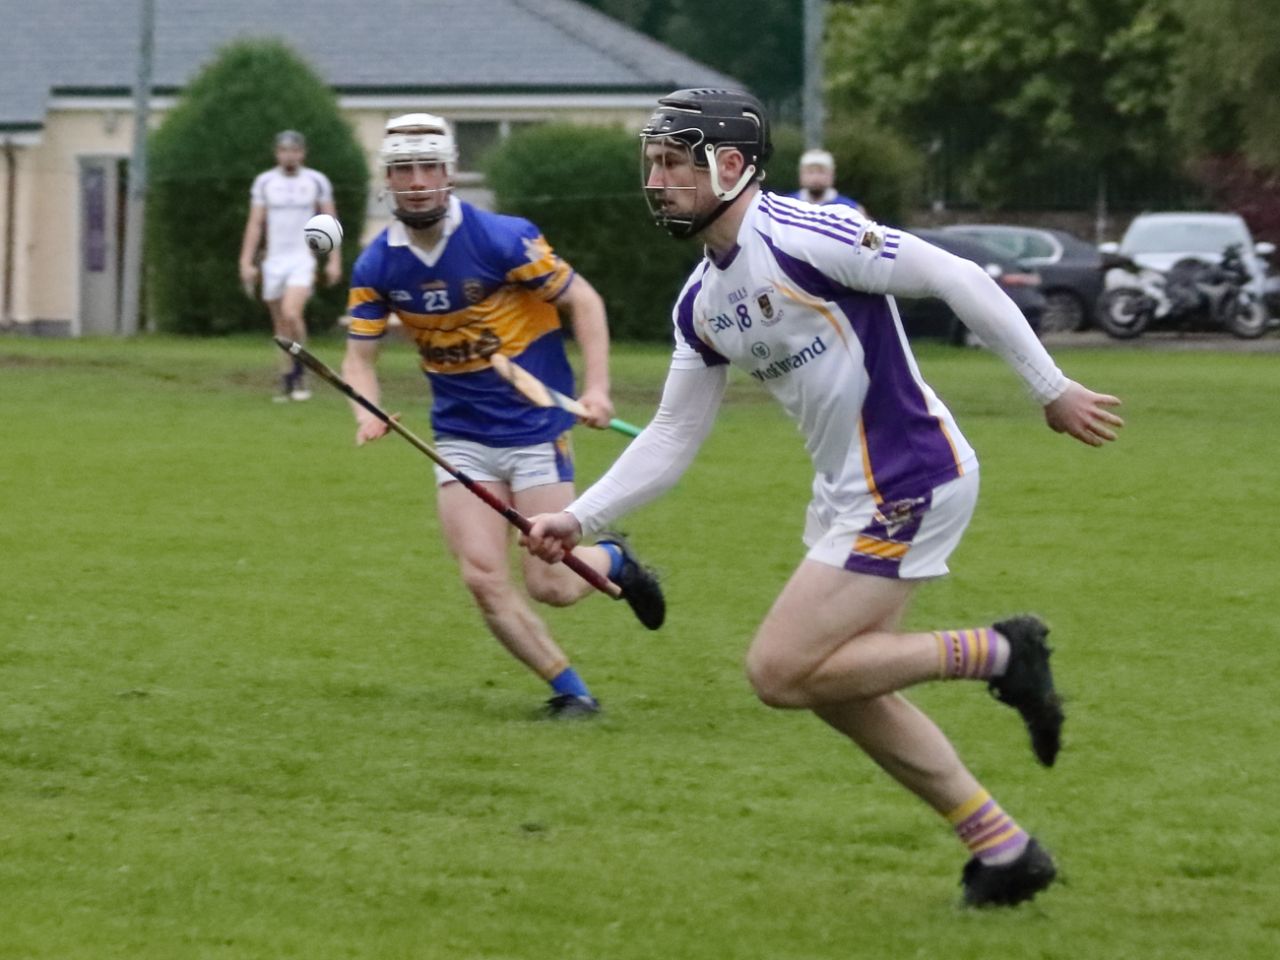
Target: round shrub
[(203, 159)]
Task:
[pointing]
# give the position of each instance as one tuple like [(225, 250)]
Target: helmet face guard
[(413, 142), (701, 123), (678, 199)]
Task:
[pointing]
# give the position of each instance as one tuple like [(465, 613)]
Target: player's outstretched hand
[(332, 272), (372, 429), (1084, 414), (249, 279), (551, 535), (599, 408)]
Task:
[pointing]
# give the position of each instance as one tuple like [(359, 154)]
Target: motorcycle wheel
[(1246, 318), (1124, 313)]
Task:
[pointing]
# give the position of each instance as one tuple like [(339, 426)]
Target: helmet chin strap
[(414, 220), (419, 221)]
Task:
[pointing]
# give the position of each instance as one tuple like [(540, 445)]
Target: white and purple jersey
[(290, 199), (800, 305)]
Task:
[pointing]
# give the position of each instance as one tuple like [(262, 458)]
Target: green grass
[(246, 709)]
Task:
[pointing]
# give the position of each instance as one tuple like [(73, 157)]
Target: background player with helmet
[(282, 200), (467, 284), (801, 298)]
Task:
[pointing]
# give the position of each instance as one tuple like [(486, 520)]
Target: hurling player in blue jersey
[(800, 297), (466, 284), (818, 180)]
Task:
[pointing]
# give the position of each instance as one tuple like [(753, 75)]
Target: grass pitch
[(246, 709)]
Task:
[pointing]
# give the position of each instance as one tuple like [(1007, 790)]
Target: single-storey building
[(66, 102)]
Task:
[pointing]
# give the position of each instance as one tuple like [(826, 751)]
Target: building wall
[(45, 296), (49, 197)]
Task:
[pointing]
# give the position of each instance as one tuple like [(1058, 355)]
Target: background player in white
[(466, 284), (281, 202), (801, 298)]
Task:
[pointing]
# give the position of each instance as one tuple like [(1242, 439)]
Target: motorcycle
[(1193, 294)]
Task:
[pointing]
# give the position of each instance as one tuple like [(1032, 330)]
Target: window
[(475, 139)]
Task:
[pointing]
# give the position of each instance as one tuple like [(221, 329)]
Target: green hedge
[(203, 160), (581, 186)]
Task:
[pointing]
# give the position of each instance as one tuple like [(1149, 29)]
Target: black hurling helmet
[(703, 120)]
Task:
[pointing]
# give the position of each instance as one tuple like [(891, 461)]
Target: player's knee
[(553, 591), (489, 587), (775, 679)]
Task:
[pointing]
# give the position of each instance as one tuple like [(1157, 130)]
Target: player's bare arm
[(583, 307), (360, 369), (249, 245), (333, 265)]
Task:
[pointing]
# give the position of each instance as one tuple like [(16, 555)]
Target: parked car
[(1070, 268), (933, 318), (1159, 240)]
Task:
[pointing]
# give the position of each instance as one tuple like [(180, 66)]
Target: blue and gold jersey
[(488, 287)]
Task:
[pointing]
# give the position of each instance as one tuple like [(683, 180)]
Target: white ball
[(323, 233)]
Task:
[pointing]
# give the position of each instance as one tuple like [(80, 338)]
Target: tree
[(1226, 78), (760, 43), (1009, 94), (204, 158)]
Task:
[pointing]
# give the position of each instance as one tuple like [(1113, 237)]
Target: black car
[(933, 318), (1070, 268)]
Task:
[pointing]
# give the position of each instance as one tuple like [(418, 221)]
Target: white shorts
[(902, 539), (292, 271), (518, 467)]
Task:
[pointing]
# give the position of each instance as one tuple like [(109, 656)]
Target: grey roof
[(543, 46)]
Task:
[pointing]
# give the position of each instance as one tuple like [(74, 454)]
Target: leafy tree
[(204, 158), (1226, 78), (581, 186), (758, 42), (1003, 92)]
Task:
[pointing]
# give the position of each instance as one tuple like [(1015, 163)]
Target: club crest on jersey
[(873, 238), (760, 350), (893, 515), (764, 298), (473, 290)]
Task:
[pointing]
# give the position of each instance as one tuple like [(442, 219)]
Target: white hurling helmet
[(419, 138)]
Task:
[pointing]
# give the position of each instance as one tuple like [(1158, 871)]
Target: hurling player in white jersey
[(801, 298), (281, 202)]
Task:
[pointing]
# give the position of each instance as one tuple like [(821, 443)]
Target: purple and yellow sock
[(990, 834), (976, 654)]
